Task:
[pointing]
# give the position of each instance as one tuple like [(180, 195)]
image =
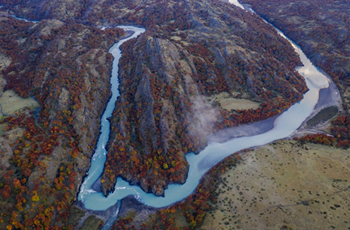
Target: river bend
[(284, 126)]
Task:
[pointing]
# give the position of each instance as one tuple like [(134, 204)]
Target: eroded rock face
[(50, 26), (63, 99), (2, 84), (7, 140), (4, 61), (5, 152)]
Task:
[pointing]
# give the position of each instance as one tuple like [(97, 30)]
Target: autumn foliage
[(153, 125), (193, 209), (39, 184)]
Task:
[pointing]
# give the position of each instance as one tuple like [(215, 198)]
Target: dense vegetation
[(322, 30), (340, 134), (188, 214), (63, 67)]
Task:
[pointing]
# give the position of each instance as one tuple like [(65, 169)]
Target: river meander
[(284, 126)]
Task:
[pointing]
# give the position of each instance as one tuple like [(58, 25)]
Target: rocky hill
[(168, 75), (321, 28), (172, 82), (192, 52), (66, 68)]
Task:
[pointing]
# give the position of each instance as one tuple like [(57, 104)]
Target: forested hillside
[(322, 30), (171, 77), (191, 51), (168, 74), (45, 153)]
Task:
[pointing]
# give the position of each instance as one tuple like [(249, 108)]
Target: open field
[(228, 102), (11, 103), (285, 186)]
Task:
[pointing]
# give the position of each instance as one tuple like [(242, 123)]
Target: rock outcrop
[(167, 74)]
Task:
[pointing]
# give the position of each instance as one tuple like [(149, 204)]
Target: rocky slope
[(192, 51), (320, 28), (66, 68), (167, 74)]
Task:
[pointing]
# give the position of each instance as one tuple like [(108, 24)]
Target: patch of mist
[(243, 130), (202, 118)]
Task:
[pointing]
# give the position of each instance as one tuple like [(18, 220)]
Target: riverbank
[(283, 126), (328, 98), (87, 219), (278, 127)]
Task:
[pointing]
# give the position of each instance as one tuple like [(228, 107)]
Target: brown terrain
[(285, 185), (201, 66)]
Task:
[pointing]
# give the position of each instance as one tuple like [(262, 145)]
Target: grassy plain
[(11, 103), (285, 185)]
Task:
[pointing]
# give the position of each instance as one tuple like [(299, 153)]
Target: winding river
[(284, 126)]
